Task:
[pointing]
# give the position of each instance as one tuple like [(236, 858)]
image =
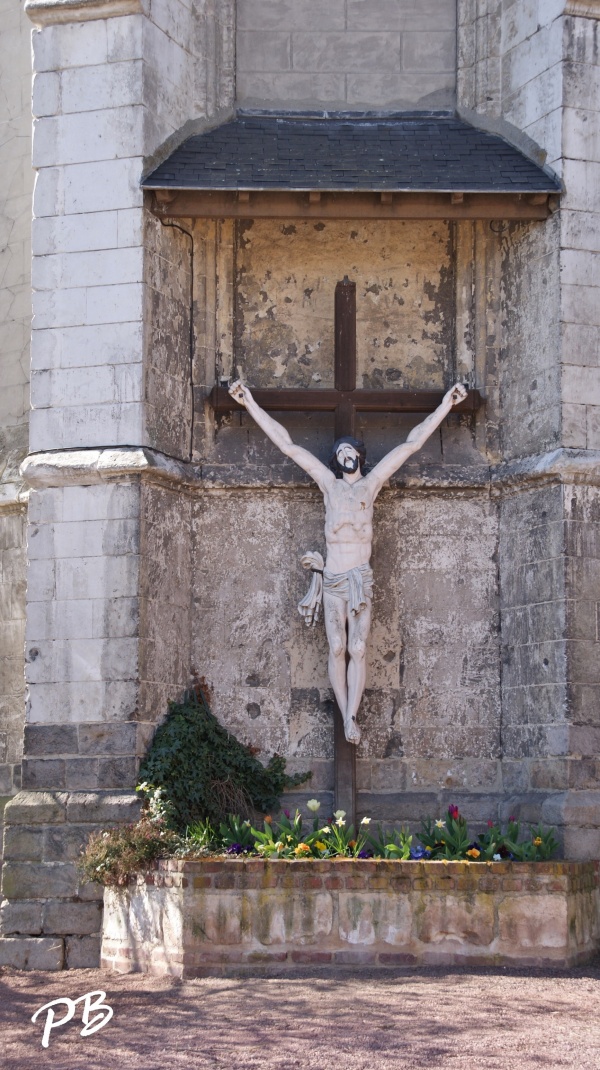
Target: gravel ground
[(443, 1018)]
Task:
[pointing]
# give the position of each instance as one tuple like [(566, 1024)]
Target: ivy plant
[(206, 773)]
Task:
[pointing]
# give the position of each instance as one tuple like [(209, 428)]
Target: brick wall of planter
[(194, 918)]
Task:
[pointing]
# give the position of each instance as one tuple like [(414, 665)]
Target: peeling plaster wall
[(367, 53), (286, 276)]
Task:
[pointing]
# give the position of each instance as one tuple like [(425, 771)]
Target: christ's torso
[(348, 525)]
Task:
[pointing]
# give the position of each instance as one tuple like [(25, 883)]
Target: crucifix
[(343, 583)]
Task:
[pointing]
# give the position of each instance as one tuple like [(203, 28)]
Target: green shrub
[(206, 773)]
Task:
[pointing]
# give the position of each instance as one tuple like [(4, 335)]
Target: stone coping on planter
[(197, 918)]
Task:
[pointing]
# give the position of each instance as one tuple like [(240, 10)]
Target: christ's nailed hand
[(239, 392), (458, 393)]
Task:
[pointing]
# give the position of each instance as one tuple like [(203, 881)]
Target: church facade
[(191, 219)]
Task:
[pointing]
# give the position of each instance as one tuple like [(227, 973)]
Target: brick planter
[(194, 918)]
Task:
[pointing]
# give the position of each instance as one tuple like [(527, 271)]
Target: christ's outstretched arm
[(322, 476), (416, 439)]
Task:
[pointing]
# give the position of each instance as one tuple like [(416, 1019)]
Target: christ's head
[(347, 455)]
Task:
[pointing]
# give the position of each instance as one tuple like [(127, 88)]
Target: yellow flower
[(537, 842), (429, 849), (320, 846), (473, 853), (302, 849)]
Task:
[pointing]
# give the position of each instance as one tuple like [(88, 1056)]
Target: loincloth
[(354, 586)]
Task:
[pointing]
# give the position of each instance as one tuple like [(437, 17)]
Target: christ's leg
[(335, 627), (358, 633)]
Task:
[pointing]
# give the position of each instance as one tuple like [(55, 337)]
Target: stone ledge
[(50, 12), (217, 915), (63, 468)]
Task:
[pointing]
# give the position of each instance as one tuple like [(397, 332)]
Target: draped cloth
[(354, 586)]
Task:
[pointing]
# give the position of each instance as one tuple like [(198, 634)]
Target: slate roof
[(432, 152)]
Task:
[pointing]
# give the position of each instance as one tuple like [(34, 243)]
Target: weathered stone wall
[(431, 711), (192, 919), (50, 920), (358, 53), (15, 321)]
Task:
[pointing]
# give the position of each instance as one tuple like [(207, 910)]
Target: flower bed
[(191, 918)]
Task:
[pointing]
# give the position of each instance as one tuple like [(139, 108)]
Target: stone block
[(117, 772), (103, 807), (431, 50), (103, 738), (81, 774), (447, 920), (260, 15), (522, 924), (72, 234), (50, 739), (89, 577), (20, 917), (82, 952), (114, 86), (22, 844), (39, 880), (63, 843), (263, 51), (77, 44), (581, 844), (79, 919), (43, 773), (290, 86), (32, 953), (344, 52), (390, 15), (36, 808)]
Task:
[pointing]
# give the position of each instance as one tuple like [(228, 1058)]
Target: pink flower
[(512, 819), (453, 811), (490, 824)]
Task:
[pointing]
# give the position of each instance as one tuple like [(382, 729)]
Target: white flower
[(314, 805), (340, 814), (497, 858), (439, 824), (326, 828), (366, 821), (340, 822)]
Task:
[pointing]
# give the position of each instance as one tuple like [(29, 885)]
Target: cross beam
[(345, 401)]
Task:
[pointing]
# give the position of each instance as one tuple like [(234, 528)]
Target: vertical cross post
[(345, 380)]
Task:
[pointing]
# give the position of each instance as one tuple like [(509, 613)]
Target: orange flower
[(352, 843), (268, 820), (473, 853)]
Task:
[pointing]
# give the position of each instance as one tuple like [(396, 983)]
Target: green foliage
[(236, 835), (206, 773), (393, 844), (200, 837), (540, 846)]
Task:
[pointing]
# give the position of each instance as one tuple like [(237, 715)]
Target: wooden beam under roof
[(301, 204)]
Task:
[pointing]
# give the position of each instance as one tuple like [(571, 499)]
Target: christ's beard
[(350, 465)]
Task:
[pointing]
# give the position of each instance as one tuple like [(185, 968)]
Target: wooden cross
[(345, 401)]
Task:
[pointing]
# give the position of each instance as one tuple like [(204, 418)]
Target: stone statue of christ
[(345, 582)]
